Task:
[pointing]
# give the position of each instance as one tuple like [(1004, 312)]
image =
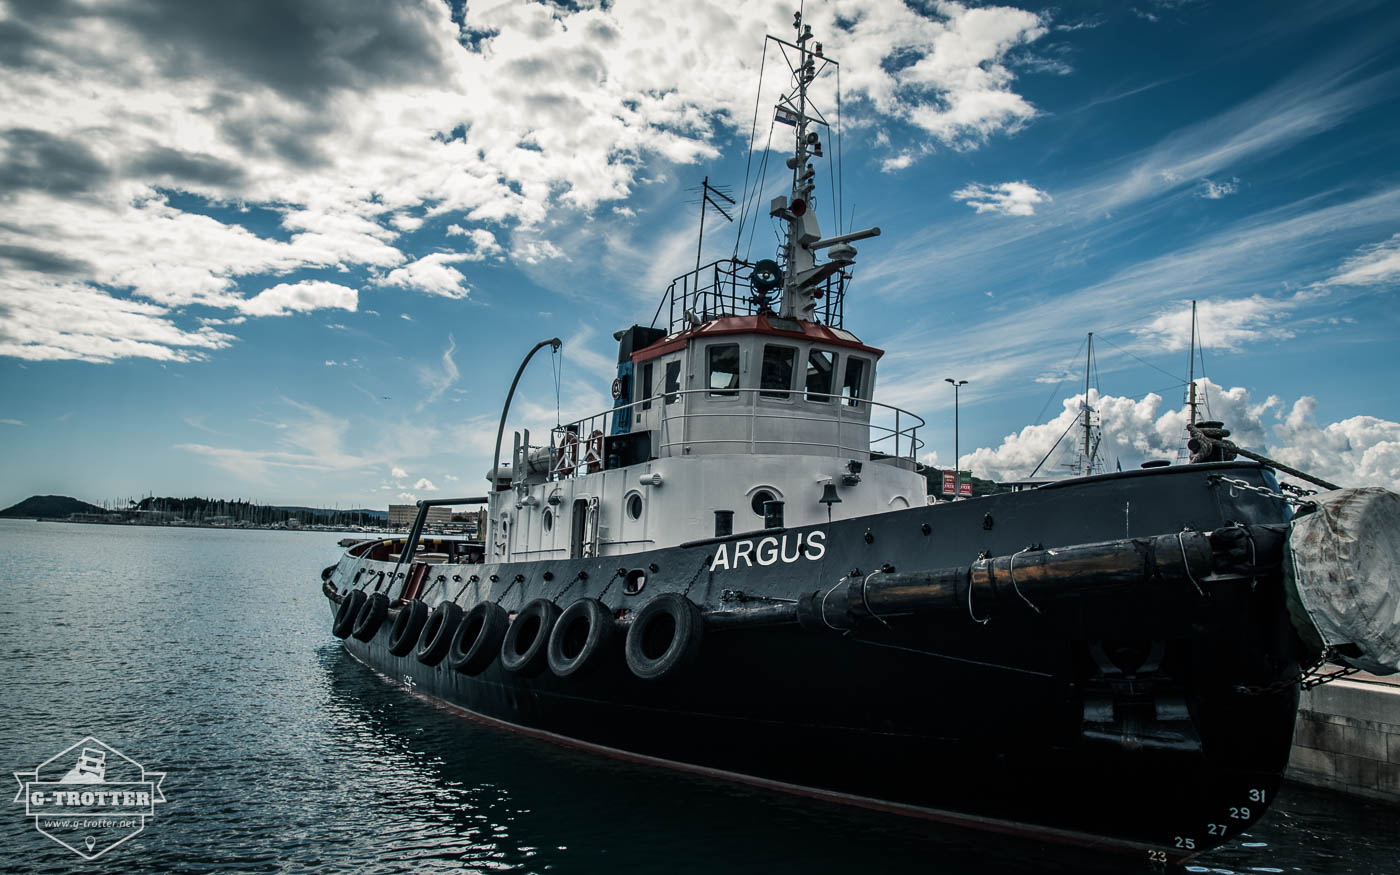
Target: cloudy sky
[(293, 250)]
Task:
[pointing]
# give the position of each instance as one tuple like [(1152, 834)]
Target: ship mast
[(803, 278), (1088, 432), (1191, 369)]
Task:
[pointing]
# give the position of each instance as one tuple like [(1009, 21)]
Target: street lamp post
[(957, 474)]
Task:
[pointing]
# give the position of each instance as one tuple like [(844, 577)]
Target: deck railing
[(578, 447)]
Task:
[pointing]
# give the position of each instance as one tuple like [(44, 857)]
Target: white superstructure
[(753, 409)]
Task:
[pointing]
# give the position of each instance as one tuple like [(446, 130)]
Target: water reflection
[(479, 792)]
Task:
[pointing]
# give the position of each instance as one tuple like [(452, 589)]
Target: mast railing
[(723, 288)]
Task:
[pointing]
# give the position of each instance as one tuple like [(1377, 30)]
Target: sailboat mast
[(1191, 369), (1088, 355)]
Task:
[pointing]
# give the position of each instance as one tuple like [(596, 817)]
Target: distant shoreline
[(270, 527)]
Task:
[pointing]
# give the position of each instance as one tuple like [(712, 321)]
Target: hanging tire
[(478, 638), (436, 637), (403, 636), (525, 649), (349, 609), (371, 616), (582, 634), (664, 637)]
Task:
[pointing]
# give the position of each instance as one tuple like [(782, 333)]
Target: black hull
[(939, 716)]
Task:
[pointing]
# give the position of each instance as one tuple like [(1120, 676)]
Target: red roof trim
[(729, 325)]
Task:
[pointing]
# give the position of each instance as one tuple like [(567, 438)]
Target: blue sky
[(294, 251)]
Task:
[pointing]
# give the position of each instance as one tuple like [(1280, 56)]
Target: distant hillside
[(49, 506), (381, 515)]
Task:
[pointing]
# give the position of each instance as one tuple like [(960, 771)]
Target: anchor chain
[(1295, 496), (703, 564), (1310, 677)]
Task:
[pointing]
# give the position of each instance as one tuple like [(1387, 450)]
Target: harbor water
[(207, 654)]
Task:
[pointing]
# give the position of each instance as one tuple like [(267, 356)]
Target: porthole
[(634, 506), (635, 580), (548, 519), (761, 497)]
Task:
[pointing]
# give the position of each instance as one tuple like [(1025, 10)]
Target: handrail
[(726, 292), (906, 424)]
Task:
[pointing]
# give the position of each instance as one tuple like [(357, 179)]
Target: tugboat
[(735, 571)]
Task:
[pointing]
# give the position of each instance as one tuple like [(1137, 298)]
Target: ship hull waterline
[(1018, 725)]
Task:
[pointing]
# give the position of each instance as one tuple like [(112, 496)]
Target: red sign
[(949, 487), (966, 488)]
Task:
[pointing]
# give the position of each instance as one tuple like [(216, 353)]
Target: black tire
[(478, 638), (403, 637), (582, 634), (664, 637), (371, 616), (525, 649), (436, 637), (349, 609)]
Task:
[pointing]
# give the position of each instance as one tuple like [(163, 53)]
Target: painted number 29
[(1239, 813)]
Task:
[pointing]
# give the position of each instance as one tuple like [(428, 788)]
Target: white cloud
[(1006, 198), (1225, 324), (301, 297), (397, 473), (49, 321), (1359, 451), (438, 380), (425, 484), (450, 478), (1373, 265), (1216, 190), (11, 422), (353, 140)]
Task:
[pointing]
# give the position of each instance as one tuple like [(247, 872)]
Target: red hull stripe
[(811, 331)]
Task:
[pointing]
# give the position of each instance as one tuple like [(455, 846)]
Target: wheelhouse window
[(821, 367), (779, 362), (724, 369), (644, 386), (673, 381), (853, 386)]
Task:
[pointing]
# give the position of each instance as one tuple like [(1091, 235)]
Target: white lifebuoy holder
[(568, 454), (593, 454)]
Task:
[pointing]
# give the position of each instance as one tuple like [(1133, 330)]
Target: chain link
[(1310, 677), (1297, 499)]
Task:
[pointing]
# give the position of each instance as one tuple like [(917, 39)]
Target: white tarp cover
[(1346, 566)]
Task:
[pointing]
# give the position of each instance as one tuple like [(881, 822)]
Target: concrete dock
[(1348, 738)]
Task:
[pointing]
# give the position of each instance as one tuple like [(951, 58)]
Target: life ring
[(437, 633), (371, 616), (477, 638), (524, 650), (349, 609), (403, 637), (567, 455), (583, 631), (594, 451), (664, 637)]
